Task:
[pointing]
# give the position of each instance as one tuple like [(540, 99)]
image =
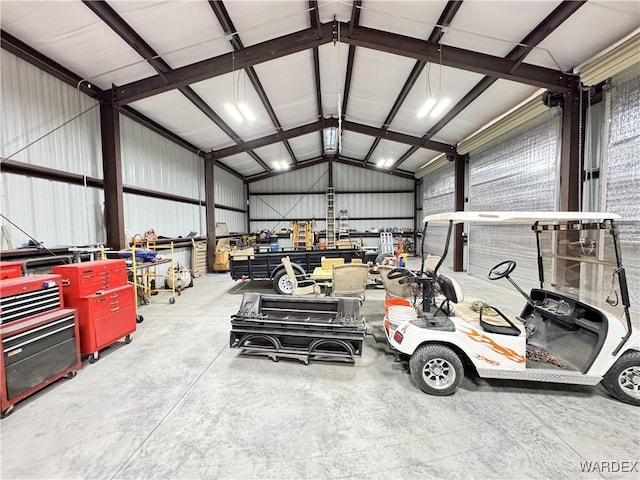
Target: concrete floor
[(178, 403)]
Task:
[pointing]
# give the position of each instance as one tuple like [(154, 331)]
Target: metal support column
[(112, 171), (209, 196), (571, 151), (458, 205), (570, 176)]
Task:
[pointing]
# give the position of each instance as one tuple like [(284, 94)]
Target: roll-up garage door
[(438, 197), (623, 171), (518, 172)]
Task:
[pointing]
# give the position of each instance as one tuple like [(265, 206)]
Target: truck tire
[(436, 369), (281, 283), (623, 379)]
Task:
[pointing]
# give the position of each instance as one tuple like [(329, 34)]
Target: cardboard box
[(243, 254), (221, 261)]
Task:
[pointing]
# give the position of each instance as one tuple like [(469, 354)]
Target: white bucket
[(400, 313)]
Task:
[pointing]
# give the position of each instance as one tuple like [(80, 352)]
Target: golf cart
[(575, 327)]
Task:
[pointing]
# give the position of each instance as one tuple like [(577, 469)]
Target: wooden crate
[(199, 259)]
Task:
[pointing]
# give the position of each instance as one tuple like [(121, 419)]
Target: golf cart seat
[(452, 292), (465, 310)]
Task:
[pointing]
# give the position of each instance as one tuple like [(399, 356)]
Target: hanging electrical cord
[(37, 243), (580, 151), (339, 95), (82, 155), (51, 131)]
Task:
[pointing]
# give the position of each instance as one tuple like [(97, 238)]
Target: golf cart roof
[(517, 217)]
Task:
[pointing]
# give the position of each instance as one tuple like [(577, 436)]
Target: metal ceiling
[(301, 66)]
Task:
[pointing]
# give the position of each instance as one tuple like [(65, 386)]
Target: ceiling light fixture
[(385, 161), (330, 140), (240, 111), (280, 165), (434, 105), (234, 112)]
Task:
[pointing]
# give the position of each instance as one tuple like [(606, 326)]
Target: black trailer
[(268, 265), (298, 327)]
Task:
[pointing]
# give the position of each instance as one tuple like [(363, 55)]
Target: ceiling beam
[(446, 17), (355, 18), (358, 163), (303, 164), (114, 21), (419, 142), (324, 159), (561, 13), (274, 138), (462, 59), (234, 38), (222, 64), (360, 36)]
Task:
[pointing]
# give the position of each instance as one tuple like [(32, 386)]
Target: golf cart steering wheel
[(502, 270), (402, 274)]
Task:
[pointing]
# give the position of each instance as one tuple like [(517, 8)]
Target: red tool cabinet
[(87, 278), (105, 302), (39, 338), (10, 270)]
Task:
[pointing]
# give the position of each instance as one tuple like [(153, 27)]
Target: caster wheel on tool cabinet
[(127, 339), (139, 319), (172, 300), (7, 412), (71, 374), (93, 358)]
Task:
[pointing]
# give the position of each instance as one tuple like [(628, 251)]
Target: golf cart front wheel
[(623, 379), (436, 369)]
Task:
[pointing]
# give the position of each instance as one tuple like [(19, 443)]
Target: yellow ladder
[(302, 236)]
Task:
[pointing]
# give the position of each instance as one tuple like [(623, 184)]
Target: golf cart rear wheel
[(436, 369), (623, 379)]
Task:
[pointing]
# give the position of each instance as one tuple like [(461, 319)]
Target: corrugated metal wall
[(623, 171), (307, 203), (153, 162), (54, 213), (308, 199), (518, 173), (230, 192), (437, 189), (33, 104), (385, 206)]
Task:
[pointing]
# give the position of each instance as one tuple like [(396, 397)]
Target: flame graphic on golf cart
[(506, 352), (487, 360)]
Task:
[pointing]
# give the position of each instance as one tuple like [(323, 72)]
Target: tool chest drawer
[(113, 327), (99, 305), (87, 278), (25, 297)]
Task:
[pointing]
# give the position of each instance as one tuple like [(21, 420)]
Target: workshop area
[(318, 239), (179, 403)]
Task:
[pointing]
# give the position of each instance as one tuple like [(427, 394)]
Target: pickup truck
[(268, 265)]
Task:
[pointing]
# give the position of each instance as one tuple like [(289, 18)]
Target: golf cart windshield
[(576, 251)]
